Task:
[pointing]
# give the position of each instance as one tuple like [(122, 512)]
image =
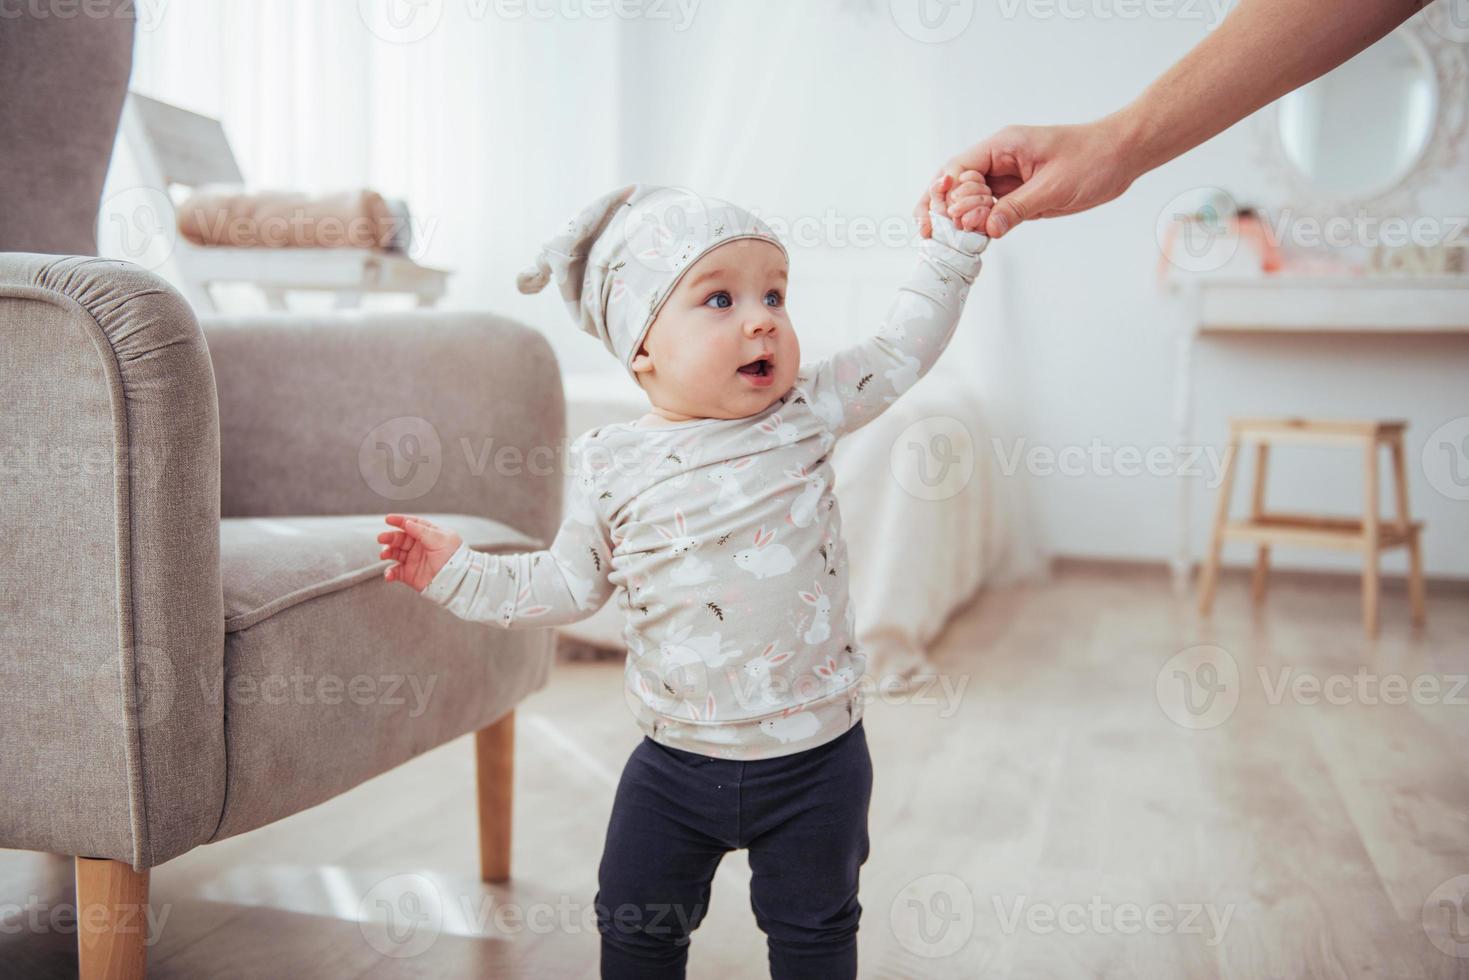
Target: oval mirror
[(1359, 129)]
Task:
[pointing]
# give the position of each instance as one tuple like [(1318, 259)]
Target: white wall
[(799, 111), (498, 128)]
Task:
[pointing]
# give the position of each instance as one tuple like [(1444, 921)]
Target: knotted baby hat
[(621, 256)]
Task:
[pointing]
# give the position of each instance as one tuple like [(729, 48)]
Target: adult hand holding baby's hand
[(420, 549), (1044, 172), (966, 202)]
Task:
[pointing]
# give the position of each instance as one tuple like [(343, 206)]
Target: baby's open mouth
[(760, 367)]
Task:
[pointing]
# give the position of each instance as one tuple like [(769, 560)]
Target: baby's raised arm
[(564, 583), (856, 384)]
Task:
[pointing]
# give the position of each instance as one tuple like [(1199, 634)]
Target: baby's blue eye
[(720, 295), (776, 294)]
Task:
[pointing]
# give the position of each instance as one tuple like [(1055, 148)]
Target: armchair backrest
[(63, 79)]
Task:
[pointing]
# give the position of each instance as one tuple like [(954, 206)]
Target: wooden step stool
[(1369, 535)]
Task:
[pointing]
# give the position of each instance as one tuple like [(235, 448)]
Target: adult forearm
[(1261, 51)]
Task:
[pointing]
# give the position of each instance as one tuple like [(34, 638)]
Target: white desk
[(1221, 305)]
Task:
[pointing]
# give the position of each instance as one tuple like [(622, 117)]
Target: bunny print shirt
[(722, 539)]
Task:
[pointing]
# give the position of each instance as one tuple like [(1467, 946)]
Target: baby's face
[(727, 311)]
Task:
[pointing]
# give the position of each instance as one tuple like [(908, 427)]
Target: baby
[(713, 518)]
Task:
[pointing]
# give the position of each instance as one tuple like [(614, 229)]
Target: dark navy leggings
[(803, 818)]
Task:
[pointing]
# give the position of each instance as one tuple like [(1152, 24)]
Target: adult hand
[(1038, 172), (1046, 171)]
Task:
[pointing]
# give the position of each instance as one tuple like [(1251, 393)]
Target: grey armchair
[(195, 636)]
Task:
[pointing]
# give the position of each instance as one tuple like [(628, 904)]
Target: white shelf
[(1302, 304)]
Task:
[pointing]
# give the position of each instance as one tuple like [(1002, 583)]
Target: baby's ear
[(641, 364)]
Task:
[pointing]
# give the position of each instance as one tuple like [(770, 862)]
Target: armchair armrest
[(367, 413), (110, 601)]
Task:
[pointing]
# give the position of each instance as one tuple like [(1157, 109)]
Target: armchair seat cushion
[(268, 564), (333, 675)]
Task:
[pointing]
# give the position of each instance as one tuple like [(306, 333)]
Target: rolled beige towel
[(219, 215)]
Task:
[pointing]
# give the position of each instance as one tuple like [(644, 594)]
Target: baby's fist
[(420, 549), (970, 201)]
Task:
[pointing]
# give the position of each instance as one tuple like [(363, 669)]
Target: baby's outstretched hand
[(420, 549)]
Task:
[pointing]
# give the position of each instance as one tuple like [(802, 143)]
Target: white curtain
[(493, 128), (823, 117), (828, 117)]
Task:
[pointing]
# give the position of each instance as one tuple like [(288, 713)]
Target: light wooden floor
[(1020, 816)]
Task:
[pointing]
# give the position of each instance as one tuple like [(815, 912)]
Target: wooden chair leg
[(1257, 510), (494, 749), (1262, 574), (1415, 553), (1416, 596), (112, 920), (1370, 542), (1216, 541)]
